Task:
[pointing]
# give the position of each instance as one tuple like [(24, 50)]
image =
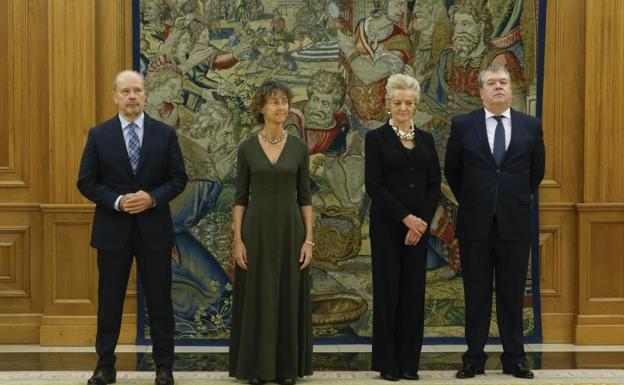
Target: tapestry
[(204, 59)]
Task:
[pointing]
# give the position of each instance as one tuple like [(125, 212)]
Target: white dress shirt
[(490, 125), (126, 131)]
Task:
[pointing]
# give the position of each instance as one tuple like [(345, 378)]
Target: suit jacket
[(105, 173), (399, 181), (482, 187)]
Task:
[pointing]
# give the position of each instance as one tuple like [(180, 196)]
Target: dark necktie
[(134, 147), (499, 140)]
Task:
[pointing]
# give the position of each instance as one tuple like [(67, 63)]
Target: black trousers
[(398, 298), (505, 263), (154, 269)]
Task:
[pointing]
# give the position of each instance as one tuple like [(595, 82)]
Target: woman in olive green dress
[(271, 330)]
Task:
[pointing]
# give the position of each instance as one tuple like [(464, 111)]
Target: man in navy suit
[(494, 164), (131, 168)]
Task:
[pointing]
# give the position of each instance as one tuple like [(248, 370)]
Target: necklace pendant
[(271, 140)]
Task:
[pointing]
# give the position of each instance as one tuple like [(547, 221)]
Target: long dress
[(271, 329)]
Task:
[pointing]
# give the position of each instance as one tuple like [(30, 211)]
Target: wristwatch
[(311, 243)]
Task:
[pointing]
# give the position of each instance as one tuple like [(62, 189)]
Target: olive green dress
[(271, 329)]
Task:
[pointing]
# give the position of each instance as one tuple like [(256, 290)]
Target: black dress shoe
[(469, 370), (390, 376), (103, 376), (286, 381), (164, 376), (256, 381), (518, 370), (410, 376)]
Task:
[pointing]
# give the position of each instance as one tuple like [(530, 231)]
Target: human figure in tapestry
[(204, 60)]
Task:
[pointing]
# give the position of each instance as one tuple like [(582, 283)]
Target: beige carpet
[(550, 377)]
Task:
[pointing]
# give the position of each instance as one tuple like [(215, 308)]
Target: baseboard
[(599, 334), (80, 330), (558, 327), (19, 328)]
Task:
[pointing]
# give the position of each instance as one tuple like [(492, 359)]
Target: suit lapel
[(147, 141), (517, 128), (120, 144), (481, 131)]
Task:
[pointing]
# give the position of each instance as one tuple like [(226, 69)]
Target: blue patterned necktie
[(134, 146), (499, 140)]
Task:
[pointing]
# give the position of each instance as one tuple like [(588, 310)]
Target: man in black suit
[(131, 168), (494, 164)]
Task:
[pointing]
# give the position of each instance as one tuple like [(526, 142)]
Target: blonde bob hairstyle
[(402, 82)]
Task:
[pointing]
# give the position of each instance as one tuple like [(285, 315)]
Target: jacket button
[(412, 185), (498, 170), (411, 168)]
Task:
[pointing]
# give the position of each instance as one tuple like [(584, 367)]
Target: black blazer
[(105, 173), (401, 181), (481, 187)]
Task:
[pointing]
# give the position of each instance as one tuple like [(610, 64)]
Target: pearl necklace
[(271, 140), (402, 134)]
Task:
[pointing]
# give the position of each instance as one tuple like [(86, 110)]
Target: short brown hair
[(266, 89)]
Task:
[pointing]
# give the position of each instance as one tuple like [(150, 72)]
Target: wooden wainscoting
[(601, 270), (71, 280), (558, 271), (21, 281)]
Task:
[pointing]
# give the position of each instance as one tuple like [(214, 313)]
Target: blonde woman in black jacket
[(403, 181)]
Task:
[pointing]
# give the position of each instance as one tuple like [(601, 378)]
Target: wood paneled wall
[(59, 57), (562, 121), (582, 198), (601, 216)]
